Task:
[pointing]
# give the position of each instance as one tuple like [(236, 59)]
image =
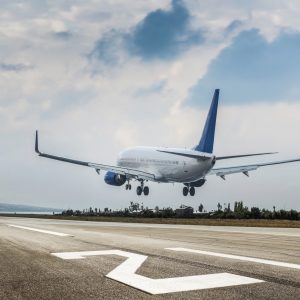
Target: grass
[(183, 221)]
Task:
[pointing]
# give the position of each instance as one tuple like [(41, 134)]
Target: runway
[(59, 259)]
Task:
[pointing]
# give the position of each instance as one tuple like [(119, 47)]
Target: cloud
[(107, 49), (67, 98), (233, 26), (155, 88), (162, 34), (64, 35), (253, 70), (14, 67)]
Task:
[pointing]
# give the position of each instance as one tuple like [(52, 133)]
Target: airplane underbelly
[(167, 168), (184, 174)]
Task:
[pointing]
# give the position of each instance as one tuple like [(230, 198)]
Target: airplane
[(189, 167)]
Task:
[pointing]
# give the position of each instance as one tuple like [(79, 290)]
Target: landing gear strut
[(187, 190), (142, 189)]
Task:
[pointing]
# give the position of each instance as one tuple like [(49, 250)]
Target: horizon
[(195, 207)]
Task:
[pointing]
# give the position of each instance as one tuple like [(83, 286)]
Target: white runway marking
[(40, 230), (244, 258), (126, 273)]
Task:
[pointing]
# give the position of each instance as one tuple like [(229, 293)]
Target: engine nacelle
[(114, 178), (196, 183)]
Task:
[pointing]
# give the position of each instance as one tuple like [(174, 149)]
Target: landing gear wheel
[(192, 191), (139, 190), (185, 191), (146, 190), (128, 186)]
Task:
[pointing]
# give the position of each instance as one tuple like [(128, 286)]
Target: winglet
[(37, 142)]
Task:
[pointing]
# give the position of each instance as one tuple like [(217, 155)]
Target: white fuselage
[(165, 166)]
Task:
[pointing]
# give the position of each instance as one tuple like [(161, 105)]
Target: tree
[(201, 207), (235, 206), (219, 207), (134, 206), (167, 212), (228, 208), (68, 212), (294, 215), (255, 212), (241, 206)]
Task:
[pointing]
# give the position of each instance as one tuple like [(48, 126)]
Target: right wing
[(246, 168), (129, 172)]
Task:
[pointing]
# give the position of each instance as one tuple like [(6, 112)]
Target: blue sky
[(96, 77), (253, 70)]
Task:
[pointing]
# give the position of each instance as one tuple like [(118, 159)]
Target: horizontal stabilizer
[(243, 155)]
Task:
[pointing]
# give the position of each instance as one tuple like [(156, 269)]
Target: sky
[(98, 76)]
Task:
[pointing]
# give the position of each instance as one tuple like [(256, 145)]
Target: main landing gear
[(187, 190), (142, 189)]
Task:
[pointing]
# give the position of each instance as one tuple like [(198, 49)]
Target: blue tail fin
[(206, 143)]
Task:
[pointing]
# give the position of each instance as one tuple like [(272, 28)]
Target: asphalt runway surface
[(58, 259)]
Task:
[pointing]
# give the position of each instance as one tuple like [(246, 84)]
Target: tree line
[(239, 211)]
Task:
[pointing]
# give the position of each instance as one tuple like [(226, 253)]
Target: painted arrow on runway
[(126, 273)]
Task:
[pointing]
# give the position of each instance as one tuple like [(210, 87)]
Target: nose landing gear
[(128, 185)]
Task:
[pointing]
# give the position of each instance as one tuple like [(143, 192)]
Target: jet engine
[(114, 178), (196, 183)]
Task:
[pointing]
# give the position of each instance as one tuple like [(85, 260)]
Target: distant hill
[(5, 207)]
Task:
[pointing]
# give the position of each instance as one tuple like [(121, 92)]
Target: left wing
[(130, 173), (246, 168)]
